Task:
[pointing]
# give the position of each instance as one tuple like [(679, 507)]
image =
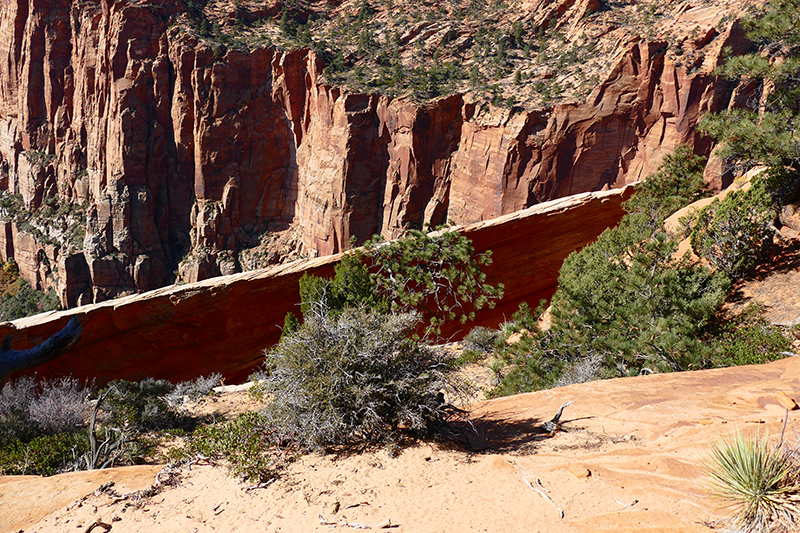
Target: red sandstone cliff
[(224, 324), (176, 152)]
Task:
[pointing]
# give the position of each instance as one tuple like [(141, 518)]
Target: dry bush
[(582, 371), (358, 377), (29, 408), (195, 389), (61, 406)]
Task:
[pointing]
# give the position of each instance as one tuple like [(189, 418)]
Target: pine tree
[(767, 135)]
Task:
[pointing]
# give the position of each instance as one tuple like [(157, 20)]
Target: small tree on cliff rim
[(677, 183), (734, 233), (624, 303), (632, 303), (437, 275), (626, 297), (353, 371)]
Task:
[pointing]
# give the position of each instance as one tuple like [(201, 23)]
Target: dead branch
[(548, 498), (355, 525), (58, 344)]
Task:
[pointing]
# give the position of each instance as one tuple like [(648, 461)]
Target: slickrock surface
[(223, 324), (631, 460), (25, 499)]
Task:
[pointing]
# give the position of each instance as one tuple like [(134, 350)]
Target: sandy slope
[(643, 440)]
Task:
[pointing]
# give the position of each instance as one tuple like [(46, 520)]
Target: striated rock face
[(182, 159), (84, 112), (223, 324)]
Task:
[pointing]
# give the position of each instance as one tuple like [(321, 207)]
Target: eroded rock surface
[(184, 159), (224, 324)]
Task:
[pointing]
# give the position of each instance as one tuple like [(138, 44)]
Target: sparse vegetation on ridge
[(626, 305), (494, 50), (355, 370), (61, 223), (48, 427)]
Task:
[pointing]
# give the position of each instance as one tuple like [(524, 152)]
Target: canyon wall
[(177, 157), (223, 324)]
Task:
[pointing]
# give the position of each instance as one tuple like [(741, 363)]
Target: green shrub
[(45, 455), (624, 304), (634, 305), (766, 134), (733, 233), (759, 481), (351, 286), (438, 275), (140, 406), (254, 447), (290, 324), (747, 339), (467, 357), (677, 183), (524, 318), (626, 299), (358, 378), (534, 362)]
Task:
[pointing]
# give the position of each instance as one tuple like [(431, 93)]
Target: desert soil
[(631, 459)]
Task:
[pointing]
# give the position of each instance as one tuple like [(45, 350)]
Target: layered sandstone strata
[(181, 158), (223, 324)]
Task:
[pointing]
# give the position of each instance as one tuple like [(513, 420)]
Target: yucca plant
[(759, 481)]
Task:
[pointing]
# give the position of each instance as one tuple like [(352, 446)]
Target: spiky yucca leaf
[(759, 481)]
